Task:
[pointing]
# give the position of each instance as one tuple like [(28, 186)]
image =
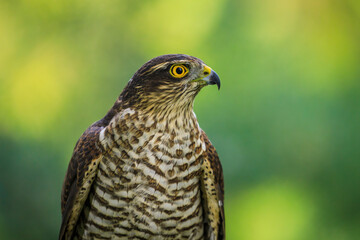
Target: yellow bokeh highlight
[(273, 21), (37, 90), (174, 26), (327, 43), (272, 211), (47, 9), (320, 46), (9, 36)]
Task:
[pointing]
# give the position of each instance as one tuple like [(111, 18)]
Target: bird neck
[(172, 115), (167, 111), (163, 108)]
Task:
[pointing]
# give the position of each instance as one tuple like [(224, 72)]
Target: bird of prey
[(147, 170)]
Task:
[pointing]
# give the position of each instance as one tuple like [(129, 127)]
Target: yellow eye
[(178, 71)]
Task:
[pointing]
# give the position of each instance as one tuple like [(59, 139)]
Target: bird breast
[(148, 182)]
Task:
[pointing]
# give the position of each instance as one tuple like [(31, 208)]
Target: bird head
[(168, 82)]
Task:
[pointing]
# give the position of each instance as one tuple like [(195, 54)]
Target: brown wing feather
[(213, 191), (79, 177)]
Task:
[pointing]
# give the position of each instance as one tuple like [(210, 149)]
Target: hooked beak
[(210, 77)]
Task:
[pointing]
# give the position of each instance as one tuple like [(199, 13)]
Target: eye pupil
[(179, 70)]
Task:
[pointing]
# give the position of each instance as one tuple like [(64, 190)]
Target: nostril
[(206, 71)]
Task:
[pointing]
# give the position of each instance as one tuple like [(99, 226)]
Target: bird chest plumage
[(148, 180)]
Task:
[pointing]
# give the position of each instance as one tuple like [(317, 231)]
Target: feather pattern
[(147, 170)]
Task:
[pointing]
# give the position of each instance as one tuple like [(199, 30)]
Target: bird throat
[(169, 110)]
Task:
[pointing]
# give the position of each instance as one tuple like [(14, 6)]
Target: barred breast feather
[(148, 182)]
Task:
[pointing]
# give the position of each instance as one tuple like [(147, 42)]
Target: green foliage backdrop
[(286, 122)]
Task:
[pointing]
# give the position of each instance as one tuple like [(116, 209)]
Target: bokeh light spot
[(270, 212), (38, 89), (177, 26), (273, 21), (9, 35)]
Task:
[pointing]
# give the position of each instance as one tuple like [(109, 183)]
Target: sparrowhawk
[(147, 170)]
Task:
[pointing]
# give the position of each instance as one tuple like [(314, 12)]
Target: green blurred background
[(286, 122)]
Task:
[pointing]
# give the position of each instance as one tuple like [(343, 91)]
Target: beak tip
[(214, 79)]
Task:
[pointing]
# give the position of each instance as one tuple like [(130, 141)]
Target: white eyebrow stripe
[(165, 65), (159, 66)]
